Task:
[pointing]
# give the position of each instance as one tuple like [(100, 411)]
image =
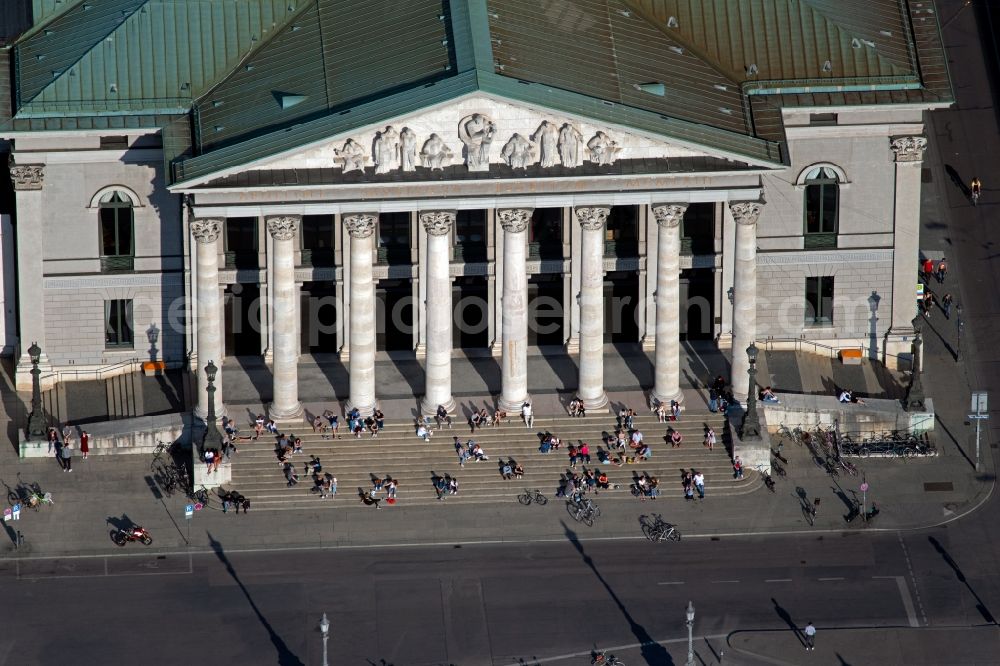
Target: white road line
[(671, 582), (778, 580), (725, 581), (835, 578), (618, 648), (904, 592)]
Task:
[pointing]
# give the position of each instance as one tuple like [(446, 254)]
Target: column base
[(593, 404), (203, 415), (513, 406), (664, 398), (897, 353), (365, 410), (496, 349), (725, 340), (289, 413), (429, 409), (22, 373), (420, 351), (648, 343), (573, 346)]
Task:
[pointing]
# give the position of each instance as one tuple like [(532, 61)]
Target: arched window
[(822, 203), (117, 232)]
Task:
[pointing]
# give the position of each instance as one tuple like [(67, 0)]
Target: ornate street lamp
[(915, 393), (36, 420), (212, 436), (324, 626), (690, 626), (751, 421)]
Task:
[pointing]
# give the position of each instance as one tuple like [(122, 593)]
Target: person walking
[(942, 270), (710, 438), (927, 268), (810, 633), (526, 415), (946, 302), (699, 483), (84, 444), (66, 456)]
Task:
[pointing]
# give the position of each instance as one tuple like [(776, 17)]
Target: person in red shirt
[(928, 270)]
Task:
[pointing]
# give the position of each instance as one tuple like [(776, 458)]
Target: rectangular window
[(118, 324), (114, 142), (698, 229), (545, 234), (819, 300), (394, 238), (470, 235), (317, 240), (621, 236), (241, 242), (822, 118)]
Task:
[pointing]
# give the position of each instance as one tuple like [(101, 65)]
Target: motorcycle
[(134, 533)]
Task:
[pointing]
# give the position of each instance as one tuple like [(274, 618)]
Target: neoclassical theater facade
[(478, 176)]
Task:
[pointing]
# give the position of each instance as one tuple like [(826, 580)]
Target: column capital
[(514, 220), (909, 148), (592, 218), (437, 222), (669, 216), (746, 212), (26, 176), (360, 225), (283, 227), (206, 230)]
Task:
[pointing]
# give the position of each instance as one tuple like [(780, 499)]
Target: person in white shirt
[(526, 415), (699, 484)]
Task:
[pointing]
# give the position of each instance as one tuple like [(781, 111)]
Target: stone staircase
[(397, 452)]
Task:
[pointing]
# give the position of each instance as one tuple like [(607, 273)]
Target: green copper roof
[(138, 56)]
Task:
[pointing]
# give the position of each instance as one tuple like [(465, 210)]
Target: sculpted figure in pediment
[(477, 132), (518, 152), (408, 149), (352, 156), (436, 154), (603, 150), (386, 149), (547, 137), (570, 140)]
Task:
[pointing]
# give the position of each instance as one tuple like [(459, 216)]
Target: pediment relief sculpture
[(518, 152), (477, 132), (408, 149), (351, 156), (386, 149), (603, 150), (570, 140), (436, 154), (547, 138)]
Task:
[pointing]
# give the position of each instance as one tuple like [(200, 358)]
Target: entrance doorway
[(241, 304), (470, 302), (697, 294), (545, 309), (394, 315), (318, 310), (621, 301)]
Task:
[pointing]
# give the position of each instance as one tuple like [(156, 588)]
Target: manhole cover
[(939, 486)]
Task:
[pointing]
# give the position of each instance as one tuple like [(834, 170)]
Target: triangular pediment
[(479, 136)]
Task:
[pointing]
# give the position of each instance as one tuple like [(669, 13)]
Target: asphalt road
[(543, 603)]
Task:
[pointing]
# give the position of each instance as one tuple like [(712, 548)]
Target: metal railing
[(242, 259), (117, 263), (820, 241), (94, 374), (470, 253), (551, 250), (323, 257), (770, 343), (629, 248), (393, 254)]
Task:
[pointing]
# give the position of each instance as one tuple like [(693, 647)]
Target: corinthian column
[(361, 228), (744, 293), (209, 299), (591, 385), (286, 405), (437, 381), (514, 329), (667, 372), (28, 180)]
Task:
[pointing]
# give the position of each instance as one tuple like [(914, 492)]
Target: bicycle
[(602, 659), (778, 469), (810, 511), (847, 466), (582, 510), (764, 474), (28, 494), (658, 529), (532, 495)]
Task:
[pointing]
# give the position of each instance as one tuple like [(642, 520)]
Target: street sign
[(17, 512), (198, 506), (188, 510), (7, 514), (920, 290), (864, 487), (979, 402)]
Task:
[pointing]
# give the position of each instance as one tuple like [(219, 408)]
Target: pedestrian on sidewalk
[(66, 453), (526, 415), (946, 302), (53, 438), (422, 432), (709, 437), (699, 483), (687, 482), (290, 476), (452, 485), (369, 498), (810, 633), (440, 487), (675, 438), (442, 416), (209, 460), (928, 303), (942, 270), (737, 468), (927, 268), (84, 444)]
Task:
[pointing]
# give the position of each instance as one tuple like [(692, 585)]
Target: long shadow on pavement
[(980, 606), (652, 652), (285, 656)]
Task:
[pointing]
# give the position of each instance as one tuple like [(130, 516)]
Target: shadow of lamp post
[(751, 420), (915, 393), (36, 420), (212, 436), (873, 302)]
